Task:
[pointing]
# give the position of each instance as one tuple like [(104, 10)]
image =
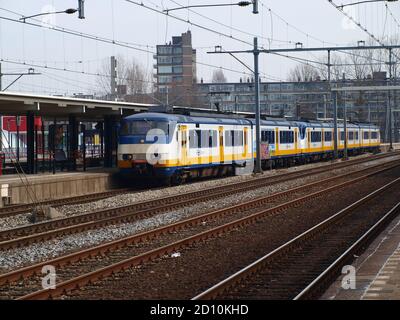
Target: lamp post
[(80, 10), (68, 11)]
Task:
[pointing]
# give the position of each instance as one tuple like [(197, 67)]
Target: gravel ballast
[(37, 252)]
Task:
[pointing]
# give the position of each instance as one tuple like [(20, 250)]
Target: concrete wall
[(55, 187), (385, 147)]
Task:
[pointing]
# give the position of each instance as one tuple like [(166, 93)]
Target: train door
[(277, 141), (245, 143), (221, 144), (302, 138), (184, 146)]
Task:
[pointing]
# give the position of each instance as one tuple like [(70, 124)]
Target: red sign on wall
[(10, 123)]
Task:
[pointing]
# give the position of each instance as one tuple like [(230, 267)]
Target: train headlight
[(128, 157)]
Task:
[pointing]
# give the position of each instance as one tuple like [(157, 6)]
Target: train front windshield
[(142, 127)]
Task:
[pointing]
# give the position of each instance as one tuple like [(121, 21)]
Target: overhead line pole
[(256, 52), (31, 72), (312, 49), (390, 102)]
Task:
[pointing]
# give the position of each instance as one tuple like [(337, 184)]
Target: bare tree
[(129, 73), (104, 80), (218, 76), (137, 81), (338, 67), (303, 72)]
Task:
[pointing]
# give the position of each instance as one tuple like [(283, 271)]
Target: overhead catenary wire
[(119, 78), (357, 23), (288, 24), (194, 24), (232, 27), (82, 35)]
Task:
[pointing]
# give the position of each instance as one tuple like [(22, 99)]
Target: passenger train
[(174, 147)]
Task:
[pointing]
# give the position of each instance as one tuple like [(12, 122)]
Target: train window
[(286, 136), (194, 139), (328, 136), (233, 138), (342, 136), (316, 136), (203, 139), (356, 135), (366, 135), (302, 131), (268, 136), (228, 138), (212, 138), (374, 135), (351, 135), (142, 127)]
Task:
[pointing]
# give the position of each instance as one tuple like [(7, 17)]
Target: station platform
[(385, 146), (54, 186), (377, 270)]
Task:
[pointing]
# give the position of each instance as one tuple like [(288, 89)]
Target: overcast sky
[(312, 22)]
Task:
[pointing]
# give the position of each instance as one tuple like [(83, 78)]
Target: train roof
[(241, 121), (187, 119)]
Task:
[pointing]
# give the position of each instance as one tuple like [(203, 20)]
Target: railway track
[(77, 268), (25, 208), (305, 266), (17, 209), (26, 235)]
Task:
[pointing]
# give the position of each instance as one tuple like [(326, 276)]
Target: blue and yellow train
[(176, 147)]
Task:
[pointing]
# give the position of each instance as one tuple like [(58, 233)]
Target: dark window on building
[(268, 136), (286, 137), (328, 136), (316, 136)]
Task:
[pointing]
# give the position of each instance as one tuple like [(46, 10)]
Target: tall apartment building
[(176, 70)]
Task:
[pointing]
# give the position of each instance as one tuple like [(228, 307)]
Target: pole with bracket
[(256, 53), (390, 101), (335, 126), (345, 155)]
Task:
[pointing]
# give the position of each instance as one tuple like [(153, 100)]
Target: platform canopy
[(15, 103)]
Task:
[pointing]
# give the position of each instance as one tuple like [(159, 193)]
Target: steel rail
[(144, 236), (48, 229), (23, 208), (285, 249), (16, 209), (125, 214), (99, 274), (316, 288)]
